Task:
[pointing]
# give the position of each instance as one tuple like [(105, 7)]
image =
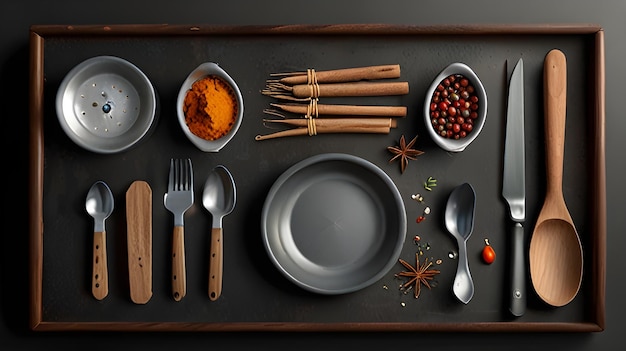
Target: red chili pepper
[(489, 254)]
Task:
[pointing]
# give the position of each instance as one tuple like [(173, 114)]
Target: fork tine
[(180, 174), (171, 181), (177, 172), (189, 175)]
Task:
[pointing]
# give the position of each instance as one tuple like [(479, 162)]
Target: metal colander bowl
[(106, 104)]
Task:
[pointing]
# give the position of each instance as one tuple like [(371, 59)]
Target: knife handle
[(517, 294), (179, 276), (100, 276), (216, 264)]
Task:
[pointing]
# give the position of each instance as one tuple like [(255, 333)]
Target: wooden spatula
[(139, 239)]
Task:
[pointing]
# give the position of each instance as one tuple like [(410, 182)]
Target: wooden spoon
[(556, 258)]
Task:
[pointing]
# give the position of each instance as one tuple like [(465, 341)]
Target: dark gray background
[(17, 16)]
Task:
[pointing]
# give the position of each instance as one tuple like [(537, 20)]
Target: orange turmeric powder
[(210, 108)]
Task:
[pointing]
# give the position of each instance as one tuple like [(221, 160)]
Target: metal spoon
[(555, 256), (459, 220), (219, 199), (99, 205)]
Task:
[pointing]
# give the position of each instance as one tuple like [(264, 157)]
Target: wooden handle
[(100, 275), (216, 264), (348, 74), (179, 276), (352, 89), (338, 123), (326, 130), (346, 110), (555, 98)]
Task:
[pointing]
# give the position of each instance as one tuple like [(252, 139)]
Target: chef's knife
[(514, 187)]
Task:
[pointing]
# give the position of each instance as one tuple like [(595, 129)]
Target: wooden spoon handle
[(100, 275), (555, 97), (216, 264)]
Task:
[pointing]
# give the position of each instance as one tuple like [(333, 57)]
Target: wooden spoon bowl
[(556, 258)]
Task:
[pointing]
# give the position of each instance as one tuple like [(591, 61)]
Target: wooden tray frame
[(38, 35)]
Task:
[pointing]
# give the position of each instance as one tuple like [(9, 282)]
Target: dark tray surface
[(255, 295)]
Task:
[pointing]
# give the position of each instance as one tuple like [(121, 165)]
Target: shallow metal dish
[(106, 104), (448, 144), (334, 223), (203, 70)]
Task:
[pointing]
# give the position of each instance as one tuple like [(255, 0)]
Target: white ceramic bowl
[(208, 69), (106, 104), (450, 144)]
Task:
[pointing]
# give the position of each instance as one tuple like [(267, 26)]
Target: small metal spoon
[(99, 205), (459, 218), (219, 199)]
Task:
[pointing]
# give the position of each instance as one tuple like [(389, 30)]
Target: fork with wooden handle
[(178, 199)]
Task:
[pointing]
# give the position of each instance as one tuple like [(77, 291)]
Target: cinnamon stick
[(338, 89), (345, 110), (323, 130), (343, 75), (338, 123)]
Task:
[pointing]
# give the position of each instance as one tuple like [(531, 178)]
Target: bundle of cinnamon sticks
[(304, 90)]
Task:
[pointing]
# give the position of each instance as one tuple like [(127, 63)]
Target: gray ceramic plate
[(334, 223)]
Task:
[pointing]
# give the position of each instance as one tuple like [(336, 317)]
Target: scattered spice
[(420, 274), (210, 108), (488, 254), (422, 247), (417, 197), (430, 183), (404, 152), (423, 216)]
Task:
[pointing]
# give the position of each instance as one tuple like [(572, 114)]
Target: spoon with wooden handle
[(99, 205), (219, 197), (556, 258)]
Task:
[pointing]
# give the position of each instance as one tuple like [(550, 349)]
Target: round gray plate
[(334, 223)]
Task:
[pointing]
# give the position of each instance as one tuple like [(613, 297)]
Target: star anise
[(418, 275), (404, 152)]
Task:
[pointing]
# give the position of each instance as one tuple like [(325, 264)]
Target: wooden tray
[(255, 296)]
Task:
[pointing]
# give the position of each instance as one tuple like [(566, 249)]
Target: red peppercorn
[(453, 107)]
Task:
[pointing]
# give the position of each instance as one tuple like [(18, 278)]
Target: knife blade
[(514, 188)]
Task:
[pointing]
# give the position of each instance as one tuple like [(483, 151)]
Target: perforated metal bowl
[(106, 104)]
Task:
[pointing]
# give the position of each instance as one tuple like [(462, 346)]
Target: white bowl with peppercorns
[(455, 107)]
